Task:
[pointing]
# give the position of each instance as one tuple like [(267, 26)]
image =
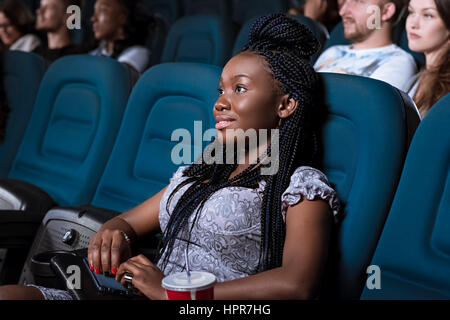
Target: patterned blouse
[(225, 240), (226, 237)]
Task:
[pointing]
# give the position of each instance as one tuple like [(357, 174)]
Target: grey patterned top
[(226, 237), (225, 240)]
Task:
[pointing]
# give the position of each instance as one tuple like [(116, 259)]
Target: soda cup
[(198, 286)]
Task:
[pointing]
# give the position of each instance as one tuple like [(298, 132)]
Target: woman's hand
[(108, 248), (146, 277)]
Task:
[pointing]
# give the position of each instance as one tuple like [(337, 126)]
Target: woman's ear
[(286, 107)]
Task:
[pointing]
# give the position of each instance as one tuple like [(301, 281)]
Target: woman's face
[(108, 20), (425, 28), (248, 96), (8, 33)]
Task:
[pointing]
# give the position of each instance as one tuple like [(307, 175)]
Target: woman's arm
[(108, 247), (308, 225)]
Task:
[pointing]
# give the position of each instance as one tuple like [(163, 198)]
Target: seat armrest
[(21, 196), (17, 229)]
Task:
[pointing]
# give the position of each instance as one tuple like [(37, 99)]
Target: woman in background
[(428, 30), (17, 26), (121, 27)]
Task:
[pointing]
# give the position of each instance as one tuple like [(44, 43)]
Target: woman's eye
[(220, 91), (240, 89), (428, 16)]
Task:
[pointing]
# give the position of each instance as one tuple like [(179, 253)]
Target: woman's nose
[(221, 104)]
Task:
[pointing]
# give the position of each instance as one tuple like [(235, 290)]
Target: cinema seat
[(73, 127), (22, 74), (207, 7), (167, 97), (249, 9), (365, 139), (413, 253), (201, 39), (167, 10)]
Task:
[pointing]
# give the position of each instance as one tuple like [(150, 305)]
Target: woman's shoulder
[(310, 183), (137, 56)]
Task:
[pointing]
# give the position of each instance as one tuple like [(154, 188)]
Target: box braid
[(287, 46)]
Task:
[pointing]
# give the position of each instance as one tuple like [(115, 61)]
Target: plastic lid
[(181, 282)]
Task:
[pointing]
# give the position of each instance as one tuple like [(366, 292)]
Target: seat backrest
[(73, 126), (167, 97), (20, 70), (201, 38), (216, 7), (156, 39), (365, 142), (167, 10), (337, 37), (242, 11), (413, 253), (242, 37)]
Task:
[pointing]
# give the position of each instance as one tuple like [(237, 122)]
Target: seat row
[(89, 141)]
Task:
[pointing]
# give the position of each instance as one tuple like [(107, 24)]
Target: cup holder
[(42, 270)]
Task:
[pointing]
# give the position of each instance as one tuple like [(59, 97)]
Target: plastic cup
[(199, 286)]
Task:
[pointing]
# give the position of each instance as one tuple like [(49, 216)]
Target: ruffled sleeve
[(312, 184), (178, 174)]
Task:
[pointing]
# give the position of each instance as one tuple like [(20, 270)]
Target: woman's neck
[(433, 58), (250, 157)]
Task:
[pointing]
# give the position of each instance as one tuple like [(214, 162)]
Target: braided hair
[(287, 46)]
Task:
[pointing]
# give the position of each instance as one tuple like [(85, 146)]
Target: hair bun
[(279, 32)]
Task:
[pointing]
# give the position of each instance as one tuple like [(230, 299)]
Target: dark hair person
[(51, 18), (324, 11), (264, 236), (121, 27), (428, 30), (17, 26)]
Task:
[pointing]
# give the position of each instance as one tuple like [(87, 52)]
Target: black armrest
[(22, 196), (18, 228)]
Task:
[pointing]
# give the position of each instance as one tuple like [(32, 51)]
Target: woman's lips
[(222, 124), (414, 36)]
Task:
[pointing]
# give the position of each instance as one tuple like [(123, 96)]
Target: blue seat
[(337, 37), (365, 139), (200, 38), (167, 10), (73, 127), (246, 10), (167, 97), (413, 253), (217, 7), (242, 37), (20, 70)]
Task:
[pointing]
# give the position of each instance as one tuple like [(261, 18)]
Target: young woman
[(16, 27), (121, 27), (263, 236), (428, 30)]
